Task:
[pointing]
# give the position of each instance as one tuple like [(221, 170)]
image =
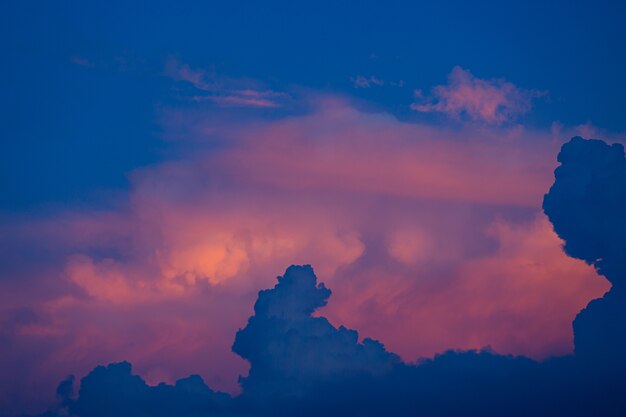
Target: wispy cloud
[(221, 91), (366, 82), (361, 81), (81, 61), (179, 71), (493, 101)]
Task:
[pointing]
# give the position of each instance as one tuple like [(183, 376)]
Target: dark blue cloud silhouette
[(113, 390), (301, 365), (289, 350), (587, 206)]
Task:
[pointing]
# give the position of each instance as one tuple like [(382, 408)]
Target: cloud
[(165, 276), (490, 101), (410, 246), (222, 91), (289, 350), (81, 61), (303, 365), (114, 391), (242, 101), (364, 82), (99, 280), (586, 204), (361, 81)]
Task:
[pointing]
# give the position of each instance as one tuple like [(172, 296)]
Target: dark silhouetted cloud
[(289, 350), (364, 82), (587, 205), (114, 391)]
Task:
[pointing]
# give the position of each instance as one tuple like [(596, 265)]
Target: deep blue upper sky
[(70, 130)]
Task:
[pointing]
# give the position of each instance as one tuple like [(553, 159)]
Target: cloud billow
[(489, 101), (301, 365), (113, 390), (289, 350), (587, 205)]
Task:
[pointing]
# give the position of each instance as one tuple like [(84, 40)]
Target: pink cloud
[(379, 155), (430, 238), (240, 101), (490, 101), (500, 299)]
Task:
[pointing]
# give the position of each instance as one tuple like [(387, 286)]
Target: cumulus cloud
[(586, 204), (288, 349), (490, 101), (179, 71), (302, 365), (113, 390), (513, 287)]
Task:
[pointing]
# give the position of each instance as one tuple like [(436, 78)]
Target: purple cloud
[(493, 101)]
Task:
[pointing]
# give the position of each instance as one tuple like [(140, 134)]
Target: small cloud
[(81, 62), (491, 101), (179, 71), (221, 91), (364, 82), (241, 101)]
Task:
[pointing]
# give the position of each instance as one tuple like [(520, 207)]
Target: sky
[(163, 162)]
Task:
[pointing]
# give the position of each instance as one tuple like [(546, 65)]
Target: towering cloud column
[(290, 351), (587, 206)]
